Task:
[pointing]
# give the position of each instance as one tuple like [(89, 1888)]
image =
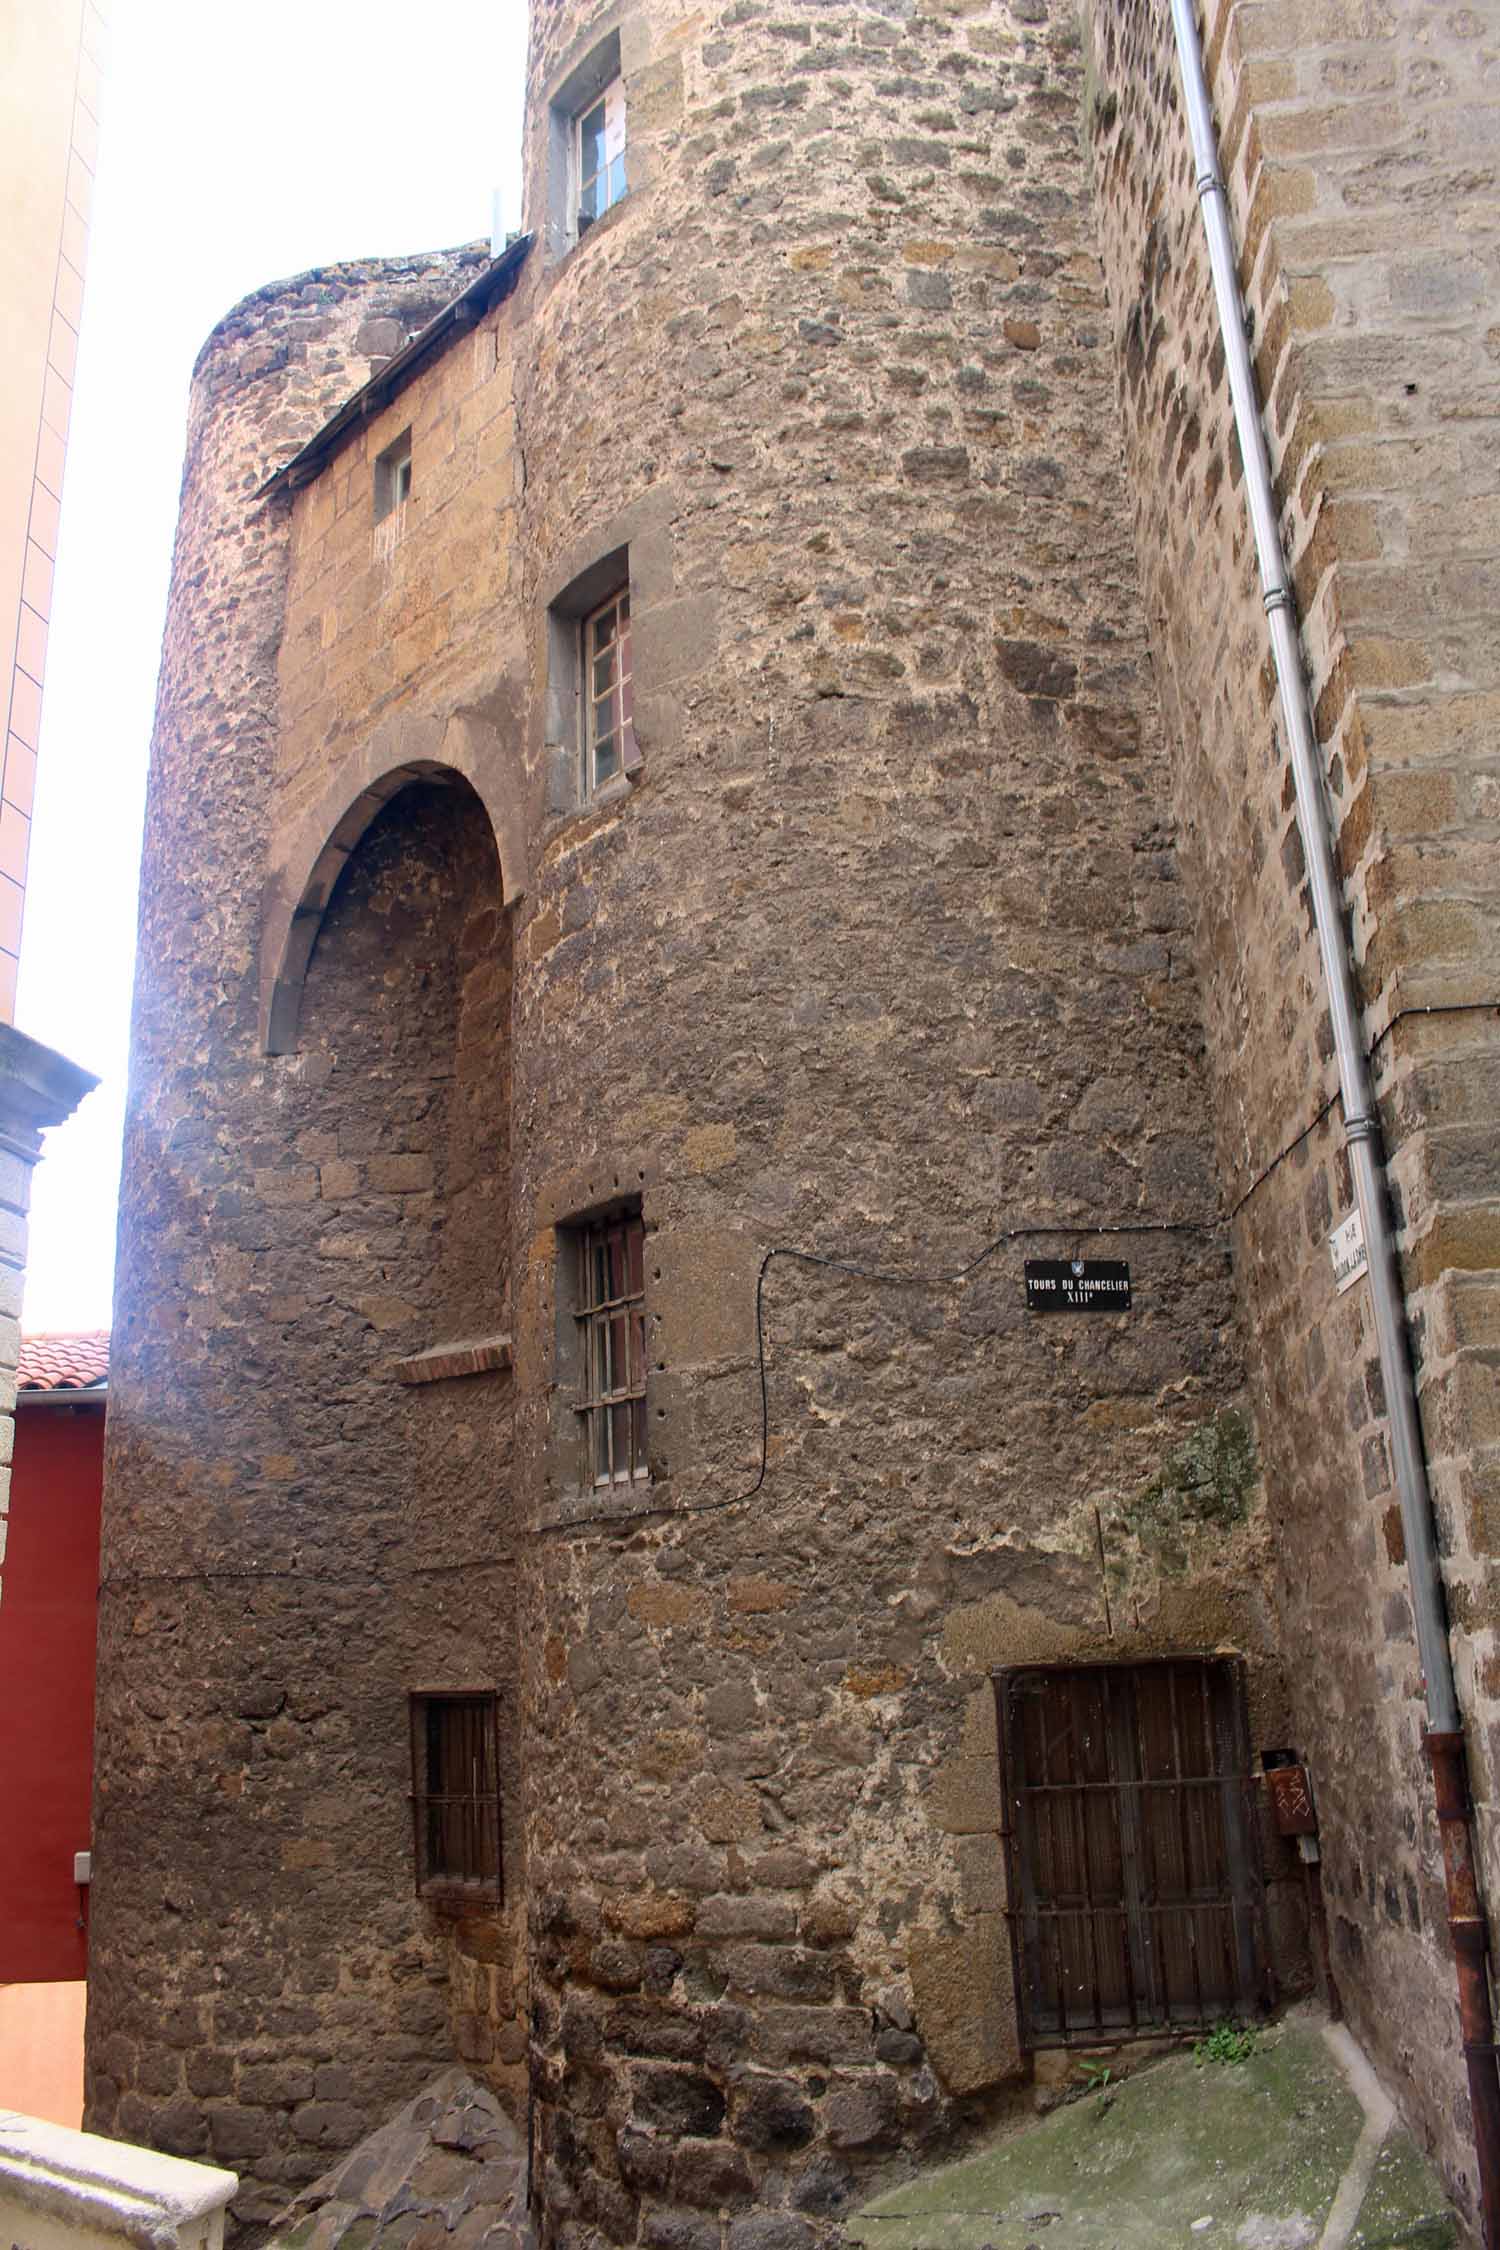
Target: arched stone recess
[(297, 892)]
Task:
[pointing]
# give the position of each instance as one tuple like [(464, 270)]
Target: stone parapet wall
[(1358, 143), (61, 2190)]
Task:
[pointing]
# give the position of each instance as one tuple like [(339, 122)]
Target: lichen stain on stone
[(1209, 1480)]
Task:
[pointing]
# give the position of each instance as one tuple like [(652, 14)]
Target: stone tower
[(585, 1147)]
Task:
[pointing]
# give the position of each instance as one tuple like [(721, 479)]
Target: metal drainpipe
[(1444, 1737)]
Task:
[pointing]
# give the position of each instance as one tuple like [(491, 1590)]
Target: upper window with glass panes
[(607, 693), (599, 155)]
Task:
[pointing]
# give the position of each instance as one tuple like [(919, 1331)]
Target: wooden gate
[(1134, 1886)]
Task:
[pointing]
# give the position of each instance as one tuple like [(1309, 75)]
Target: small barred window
[(610, 1309), (456, 1796)]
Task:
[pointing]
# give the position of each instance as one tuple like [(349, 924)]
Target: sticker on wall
[(1346, 1247), (1077, 1285)]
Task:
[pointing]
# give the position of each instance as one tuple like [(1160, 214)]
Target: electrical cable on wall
[(629, 1518), (1217, 1225)]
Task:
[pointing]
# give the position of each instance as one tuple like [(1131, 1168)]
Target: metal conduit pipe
[(1444, 1737)]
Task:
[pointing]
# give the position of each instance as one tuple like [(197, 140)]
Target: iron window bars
[(455, 1765), (1134, 1889), (610, 1308)]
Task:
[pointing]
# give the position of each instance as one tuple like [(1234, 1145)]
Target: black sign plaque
[(1077, 1285)]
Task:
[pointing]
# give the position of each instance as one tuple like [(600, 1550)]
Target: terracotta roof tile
[(64, 1363)]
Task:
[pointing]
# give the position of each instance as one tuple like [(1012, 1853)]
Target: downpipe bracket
[(1450, 1779)]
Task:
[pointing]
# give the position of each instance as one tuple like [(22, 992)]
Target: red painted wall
[(47, 1627)]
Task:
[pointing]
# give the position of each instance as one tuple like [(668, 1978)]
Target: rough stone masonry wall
[(291, 1539), (390, 631), (883, 952), (1359, 144)]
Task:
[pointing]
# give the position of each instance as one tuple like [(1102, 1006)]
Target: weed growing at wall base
[(1226, 2043)]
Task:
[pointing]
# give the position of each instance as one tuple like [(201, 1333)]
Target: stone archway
[(297, 893)]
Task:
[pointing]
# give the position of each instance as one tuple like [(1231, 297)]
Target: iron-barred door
[(1135, 1895)]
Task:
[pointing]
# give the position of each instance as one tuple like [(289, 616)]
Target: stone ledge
[(442, 1363), (38, 1086), (619, 1505), (72, 2185)]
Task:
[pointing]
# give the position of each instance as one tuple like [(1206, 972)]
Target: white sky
[(242, 142)]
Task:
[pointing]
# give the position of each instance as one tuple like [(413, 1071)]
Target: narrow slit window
[(610, 1309), (456, 1796), (393, 477), (607, 693), (600, 155)]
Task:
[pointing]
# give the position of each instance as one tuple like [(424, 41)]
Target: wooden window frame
[(393, 477), (609, 178), (607, 714), (457, 1835), (609, 1309)]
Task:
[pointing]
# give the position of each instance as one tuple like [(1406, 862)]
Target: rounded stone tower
[(660, 899), (876, 954)]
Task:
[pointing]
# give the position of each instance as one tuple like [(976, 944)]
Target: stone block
[(295, 1184), (981, 1868), (645, 2161), (707, 1289), (675, 639), (746, 1915), (655, 1603), (209, 2073), (683, 2102), (770, 2114), (783, 1868), (964, 1998), (770, 2230), (760, 1597), (727, 1812), (862, 2113), (676, 2230), (407, 1174), (823, 2189), (813, 2035), (964, 1797), (275, 2084), (650, 1914), (782, 1972), (667, 2034), (713, 2173), (236, 2132)]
